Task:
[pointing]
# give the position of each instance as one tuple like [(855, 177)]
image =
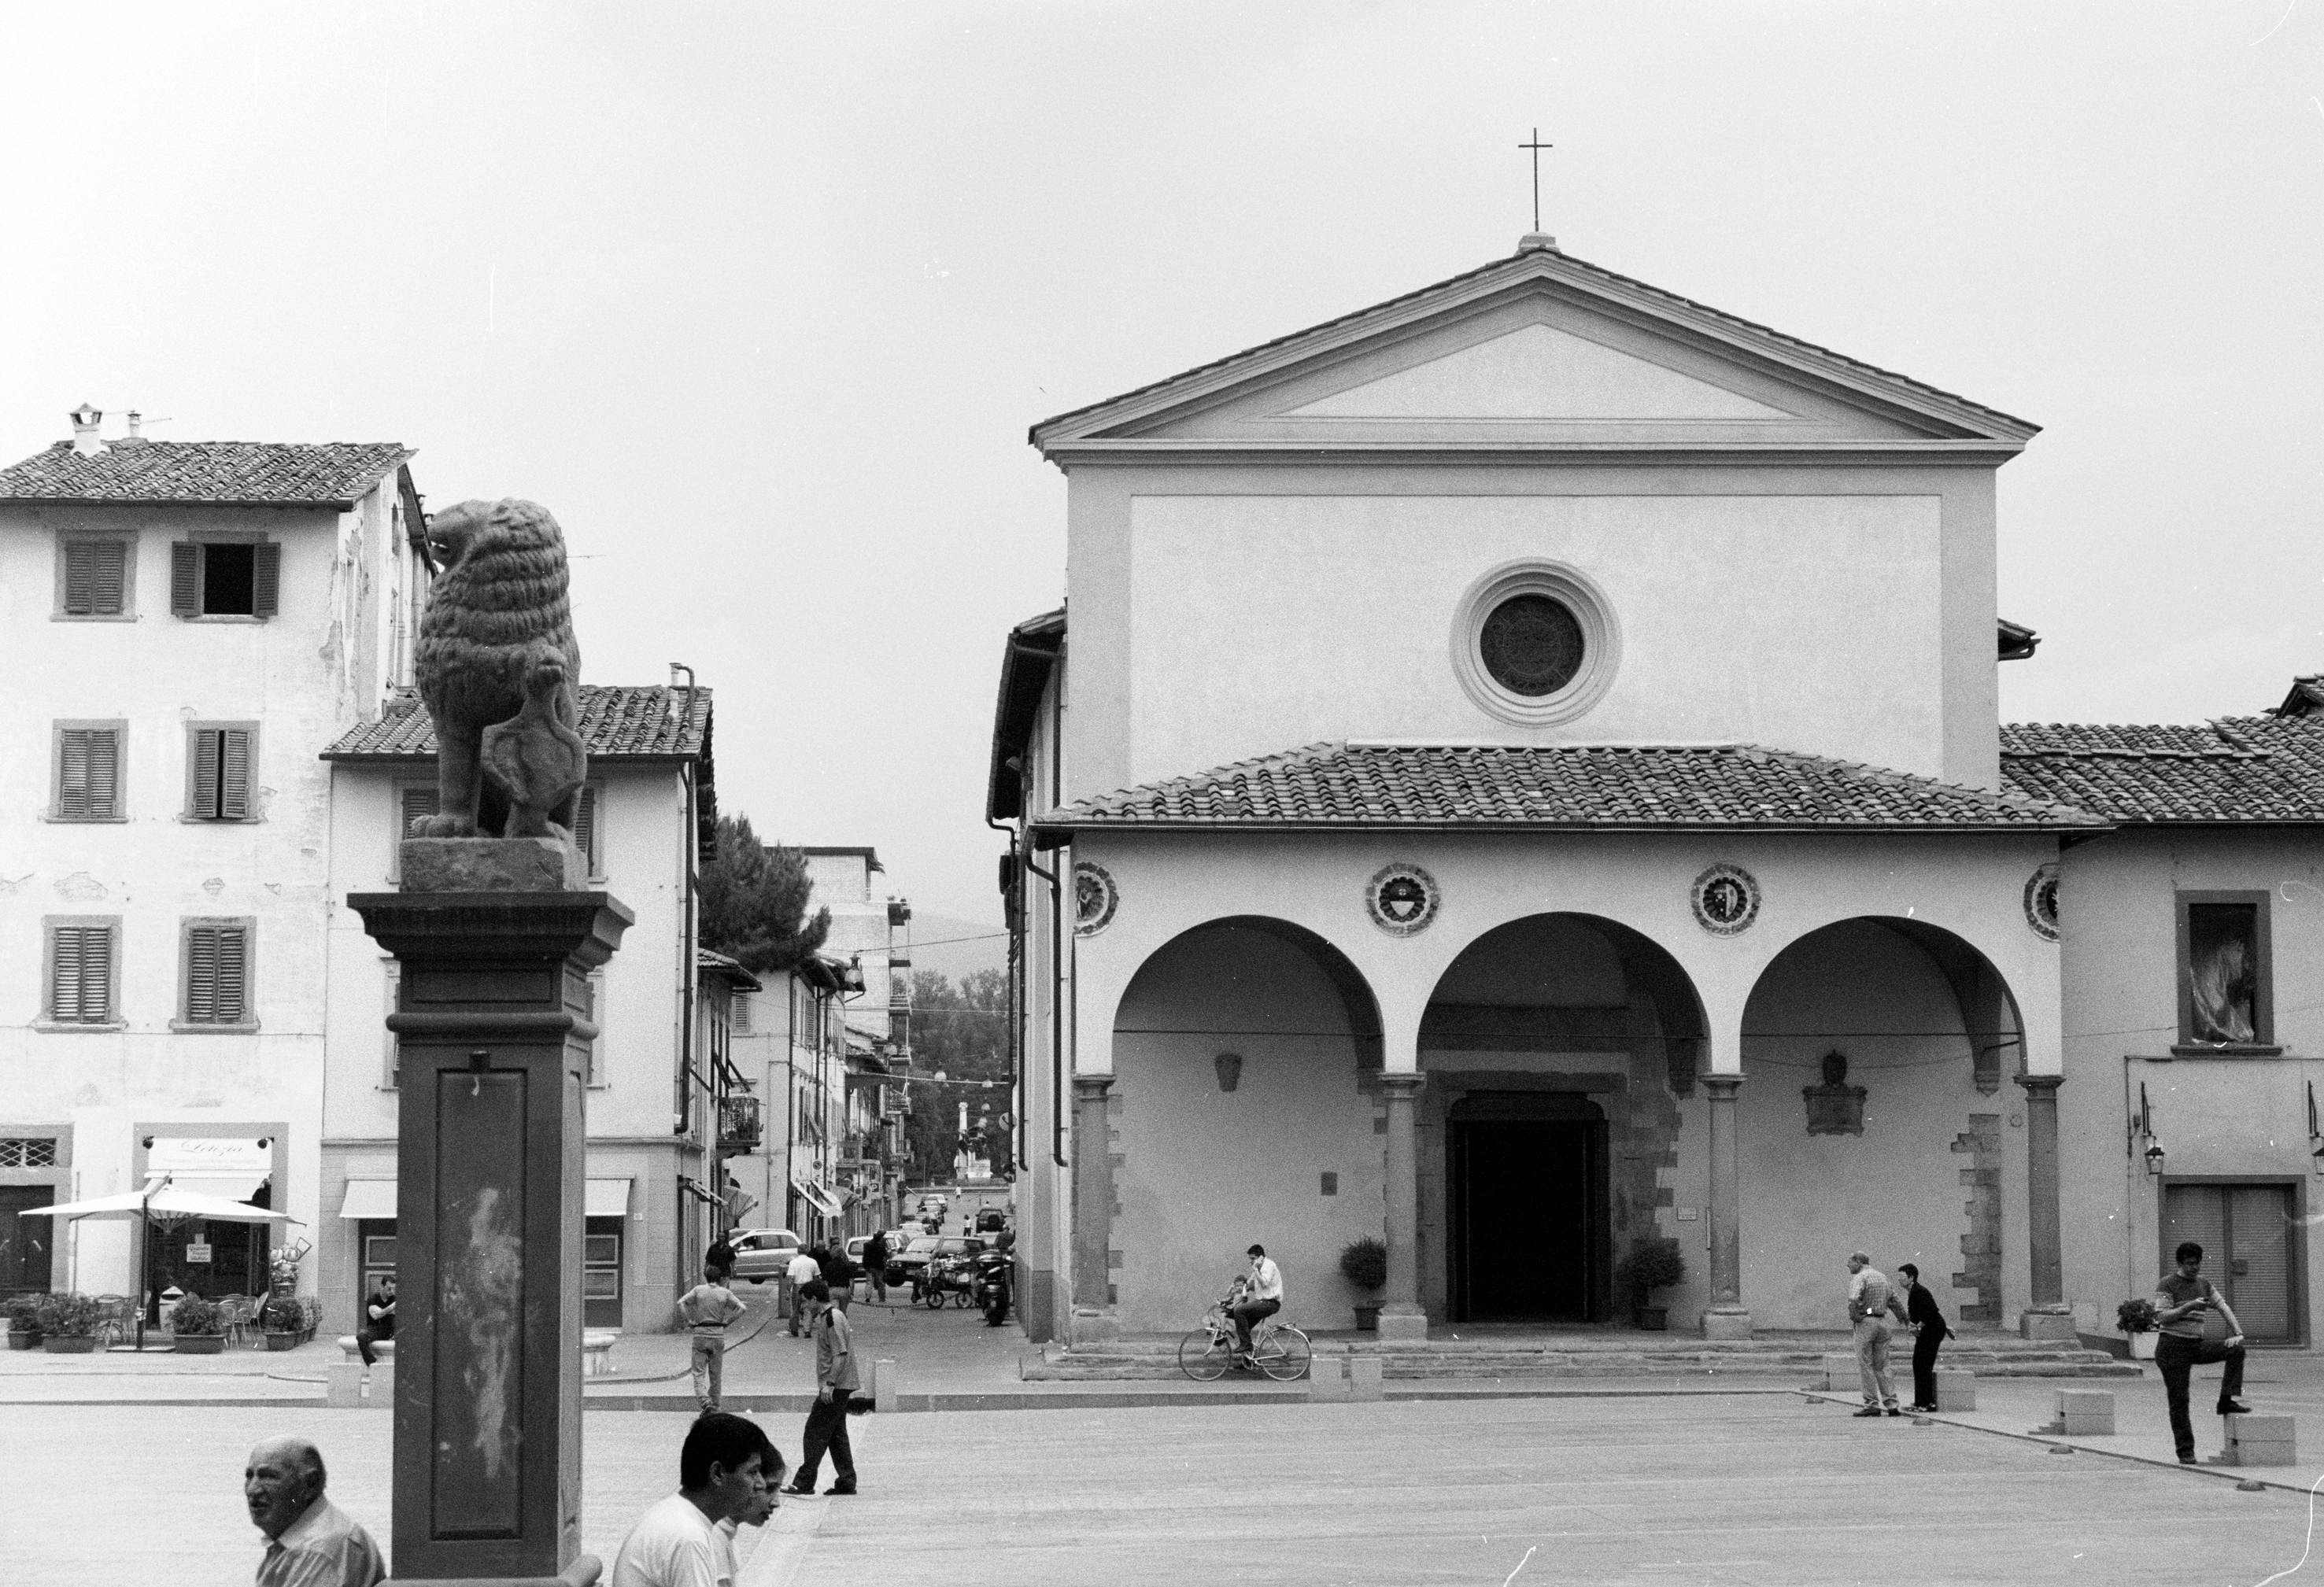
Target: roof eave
[(1026, 660), (1053, 831), (1101, 449)]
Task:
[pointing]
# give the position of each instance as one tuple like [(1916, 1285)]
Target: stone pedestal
[(493, 1051)]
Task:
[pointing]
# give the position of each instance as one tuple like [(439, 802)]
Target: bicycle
[(1276, 1348)]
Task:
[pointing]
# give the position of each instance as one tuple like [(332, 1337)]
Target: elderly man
[(311, 1542), (1868, 1298)]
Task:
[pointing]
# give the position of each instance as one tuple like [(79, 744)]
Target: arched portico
[(1241, 1107), (1875, 1050)]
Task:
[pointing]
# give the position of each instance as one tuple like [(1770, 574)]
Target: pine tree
[(753, 901)]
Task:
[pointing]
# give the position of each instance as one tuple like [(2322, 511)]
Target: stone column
[(495, 948), (2049, 1316), (1401, 1314), (1726, 1317), (1094, 1313)]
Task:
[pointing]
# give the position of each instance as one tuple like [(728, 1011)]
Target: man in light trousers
[(1869, 1299)]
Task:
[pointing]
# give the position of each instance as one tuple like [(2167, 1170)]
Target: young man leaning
[(726, 1473)]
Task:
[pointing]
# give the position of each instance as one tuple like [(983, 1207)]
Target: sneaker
[(796, 1492), (1895, 1412), (2186, 1460), (1872, 1410), (2233, 1408), (840, 1490)]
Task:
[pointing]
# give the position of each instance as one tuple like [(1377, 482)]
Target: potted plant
[(1364, 1264), (285, 1324), (1651, 1265), (2136, 1318), (68, 1322), (24, 1315), (197, 1327)]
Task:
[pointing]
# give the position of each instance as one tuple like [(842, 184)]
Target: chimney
[(136, 419), (85, 441)]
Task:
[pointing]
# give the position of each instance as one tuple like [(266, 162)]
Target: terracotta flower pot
[(23, 1339), (72, 1343), (284, 1339), (1367, 1318)]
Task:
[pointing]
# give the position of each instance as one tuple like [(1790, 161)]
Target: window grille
[(28, 1151)]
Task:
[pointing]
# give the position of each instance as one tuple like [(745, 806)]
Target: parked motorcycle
[(992, 1286)]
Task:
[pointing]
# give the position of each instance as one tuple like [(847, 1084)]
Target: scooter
[(992, 1286)]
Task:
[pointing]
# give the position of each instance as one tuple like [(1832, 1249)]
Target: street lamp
[(2155, 1159)]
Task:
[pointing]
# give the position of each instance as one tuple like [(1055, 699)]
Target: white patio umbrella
[(166, 1202)]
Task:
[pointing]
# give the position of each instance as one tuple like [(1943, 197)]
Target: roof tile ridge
[(1315, 752)]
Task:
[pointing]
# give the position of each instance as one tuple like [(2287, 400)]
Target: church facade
[(1519, 776)]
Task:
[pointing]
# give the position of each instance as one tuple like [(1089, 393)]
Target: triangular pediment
[(1538, 372), (1541, 353)]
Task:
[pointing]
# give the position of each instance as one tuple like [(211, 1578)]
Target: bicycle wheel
[(933, 1298), (1283, 1355), (962, 1300), (1204, 1356)]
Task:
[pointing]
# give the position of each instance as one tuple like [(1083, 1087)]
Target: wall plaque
[(1401, 898), (1095, 898), (1726, 899)]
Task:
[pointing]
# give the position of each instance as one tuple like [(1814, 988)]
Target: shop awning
[(229, 1186), (369, 1198), (608, 1198), (821, 1200)]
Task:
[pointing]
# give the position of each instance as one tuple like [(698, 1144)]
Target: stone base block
[(597, 1352), (1841, 1373), (2084, 1411), (1403, 1326), (1718, 1324), (2261, 1441), (1327, 1379), (1956, 1390), (2032, 1324), (491, 865), (384, 1349), (1364, 1376), (583, 1572), (1093, 1327), (346, 1388), (886, 1386)]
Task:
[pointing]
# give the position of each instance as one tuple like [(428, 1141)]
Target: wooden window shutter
[(185, 579), (234, 782), (80, 984), (201, 975), (89, 774), (585, 830), (419, 804), (109, 577), (80, 578), (65, 974), (265, 578), (233, 1003), (203, 806)]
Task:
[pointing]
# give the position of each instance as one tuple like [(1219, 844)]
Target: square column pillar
[(1401, 1316), (489, 1163), (1726, 1317), (1095, 1320), (2049, 1316)]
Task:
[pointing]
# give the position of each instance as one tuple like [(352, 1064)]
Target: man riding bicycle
[(1261, 1296)]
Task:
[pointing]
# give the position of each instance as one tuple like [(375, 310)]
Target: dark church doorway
[(1527, 1199)]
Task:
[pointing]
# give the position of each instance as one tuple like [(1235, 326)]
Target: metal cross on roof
[(1537, 146)]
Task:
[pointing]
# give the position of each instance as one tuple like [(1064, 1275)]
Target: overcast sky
[(761, 299)]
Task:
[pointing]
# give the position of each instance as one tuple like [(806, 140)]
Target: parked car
[(760, 1254), (856, 1244), (907, 1267)]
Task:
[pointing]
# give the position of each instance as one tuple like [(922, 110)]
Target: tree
[(753, 901), (962, 1032)]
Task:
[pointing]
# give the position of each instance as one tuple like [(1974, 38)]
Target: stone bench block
[(2261, 1441), (2084, 1411), (1841, 1372), (1363, 1377), (1327, 1379), (384, 1349), (597, 1352), (349, 1387), (1956, 1389), (886, 1386)]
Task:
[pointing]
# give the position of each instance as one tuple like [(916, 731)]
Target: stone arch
[(1277, 1146), (1903, 1157)]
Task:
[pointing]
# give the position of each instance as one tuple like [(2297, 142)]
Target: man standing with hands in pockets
[(836, 1383), (2181, 1299)]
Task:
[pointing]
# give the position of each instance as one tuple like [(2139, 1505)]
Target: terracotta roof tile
[(2244, 769), (1566, 786), (618, 721), (229, 473)]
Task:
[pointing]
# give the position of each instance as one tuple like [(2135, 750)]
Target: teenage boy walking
[(835, 1383)]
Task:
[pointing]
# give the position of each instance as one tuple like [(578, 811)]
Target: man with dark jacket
[(1933, 1329), (875, 1265)]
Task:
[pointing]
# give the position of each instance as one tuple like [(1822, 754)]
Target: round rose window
[(1532, 645)]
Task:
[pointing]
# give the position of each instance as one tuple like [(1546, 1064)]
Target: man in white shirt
[(1262, 1297), (727, 1471), (1869, 1298), (803, 1269)]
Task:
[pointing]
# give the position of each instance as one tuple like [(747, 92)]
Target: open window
[(225, 578), (2226, 990)]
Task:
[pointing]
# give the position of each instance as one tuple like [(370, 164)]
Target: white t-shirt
[(1266, 1279), (803, 1269), (673, 1545)]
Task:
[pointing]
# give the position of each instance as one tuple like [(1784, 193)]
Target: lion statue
[(500, 673)]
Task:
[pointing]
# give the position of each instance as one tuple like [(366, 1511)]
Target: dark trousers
[(365, 1339), (1925, 1364), (827, 1429), (1251, 1312), (2176, 1358)]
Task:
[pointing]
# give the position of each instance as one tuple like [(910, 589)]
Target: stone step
[(1408, 1363)]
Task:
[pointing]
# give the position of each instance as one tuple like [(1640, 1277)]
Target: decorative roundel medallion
[(2041, 902), (1095, 898), (1726, 899), (1402, 899)]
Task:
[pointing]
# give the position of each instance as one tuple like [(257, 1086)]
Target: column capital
[(1407, 1083), (1087, 1086), (1723, 1088), (2041, 1085)]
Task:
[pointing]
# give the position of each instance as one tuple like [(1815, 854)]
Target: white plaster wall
[(2239, 1117), (1258, 623), (1206, 1173)]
